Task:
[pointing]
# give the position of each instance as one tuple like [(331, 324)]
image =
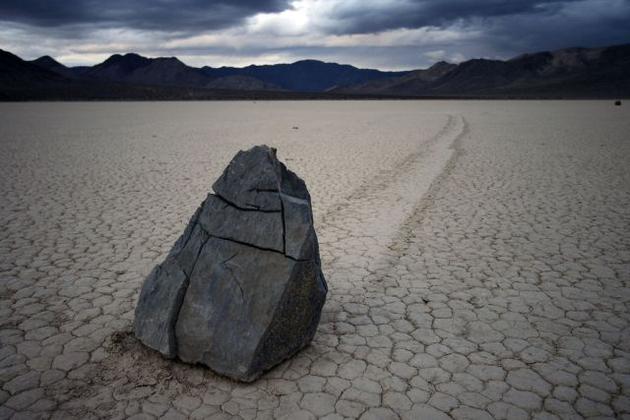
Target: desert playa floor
[(477, 254)]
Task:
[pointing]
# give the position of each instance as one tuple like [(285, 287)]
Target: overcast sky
[(385, 34)]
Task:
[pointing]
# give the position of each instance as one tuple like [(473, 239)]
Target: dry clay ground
[(477, 254)]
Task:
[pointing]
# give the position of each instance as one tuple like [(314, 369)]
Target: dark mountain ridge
[(304, 75), (34, 80), (15, 72), (51, 64), (568, 73), (413, 80), (301, 76), (135, 69), (571, 72)]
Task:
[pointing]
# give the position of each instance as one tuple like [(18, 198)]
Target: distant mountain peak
[(319, 63), (118, 64), (441, 63), (47, 61), (169, 60), (127, 58), (132, 61), (440, 67), (310, 61), (131, 56), (17, 73)]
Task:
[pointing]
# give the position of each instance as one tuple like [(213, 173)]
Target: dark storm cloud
[(392, 34), (176, 15), (580, 25), (355, 17), (350, 16)]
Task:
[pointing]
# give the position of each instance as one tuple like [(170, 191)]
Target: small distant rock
[(618, 103), (242, 289)]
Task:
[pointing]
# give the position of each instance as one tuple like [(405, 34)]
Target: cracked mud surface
[(477, 255)]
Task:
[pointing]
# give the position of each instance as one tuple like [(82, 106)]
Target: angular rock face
[(242, 289)]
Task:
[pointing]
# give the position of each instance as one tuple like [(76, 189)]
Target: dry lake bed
[(477, 255)]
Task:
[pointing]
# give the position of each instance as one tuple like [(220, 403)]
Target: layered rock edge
[(242, 288)]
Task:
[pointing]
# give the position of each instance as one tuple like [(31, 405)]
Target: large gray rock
[(242, 289)]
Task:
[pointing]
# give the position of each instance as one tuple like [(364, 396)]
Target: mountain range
[(571, 72), (301, 76), (568, 73)]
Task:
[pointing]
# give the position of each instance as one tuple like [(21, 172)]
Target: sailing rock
[(242, 289)]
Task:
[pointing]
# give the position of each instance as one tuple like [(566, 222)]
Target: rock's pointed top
[(255, 178)]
